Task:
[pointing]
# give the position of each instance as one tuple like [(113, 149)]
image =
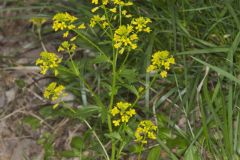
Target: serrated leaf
[(101, 59), (129, 75)]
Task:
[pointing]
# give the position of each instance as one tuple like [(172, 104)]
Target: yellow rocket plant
[(123, 29)]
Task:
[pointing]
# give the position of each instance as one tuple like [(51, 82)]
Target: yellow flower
[(95, 1), (105, 2), (124, 37), (161, 61), (141, 24), (123, 112), (66, 46), (131, 112), (145, 130), (94, 9), (151, 68), (53, 91), (163, 74), (122, 3), (125, 118), (113, 10), (94, 20), (63, 21), (82, 26), (114, 111), (65, 34), (48, 61), (116, 122)]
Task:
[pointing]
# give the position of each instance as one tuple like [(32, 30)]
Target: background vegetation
[(196, 107)]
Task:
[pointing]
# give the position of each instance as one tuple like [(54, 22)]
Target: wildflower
[(65, 34), (163, 74), (66, 46), (95, 1), (113, 10), (140, 24), (123, 111), (48, 61), (63, 21), (124, 12), (124, 37), (122, 3), (53, 92), (116, 122), (97, 19), (105, 2), (161, 61), (94, 9), (145, 130), (82, 26)]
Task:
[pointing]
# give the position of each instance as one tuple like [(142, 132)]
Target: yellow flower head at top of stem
[(54, 92), (96, 2), (68, 47), (122, 3), (123, 112), (48, 61), (161, 61), (97, 19), (145, 130), (125, 37), (140, 24), (62, 21)]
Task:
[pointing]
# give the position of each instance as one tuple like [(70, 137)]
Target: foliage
[(172, 63)]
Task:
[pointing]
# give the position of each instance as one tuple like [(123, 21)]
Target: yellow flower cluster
[(145, 130), (161, 60), (116, 2), (48, 61), (66, 46), (124, 112), (63, 21), (140, 24), (124, 37), (53, 92), (101, 20)]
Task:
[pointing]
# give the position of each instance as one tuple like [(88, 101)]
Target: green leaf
[(114, 135), (129, 75), (131, 88), (32, 121), (70, 153), (154, 153), (101, 59), (219, 70), (77, 143), (192, 154), (20, 83)]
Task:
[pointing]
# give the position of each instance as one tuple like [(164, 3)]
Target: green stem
[(147, 87), (89, 41), (77, 73), (113, 93)]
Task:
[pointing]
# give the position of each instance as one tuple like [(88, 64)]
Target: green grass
[(202, 90)]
